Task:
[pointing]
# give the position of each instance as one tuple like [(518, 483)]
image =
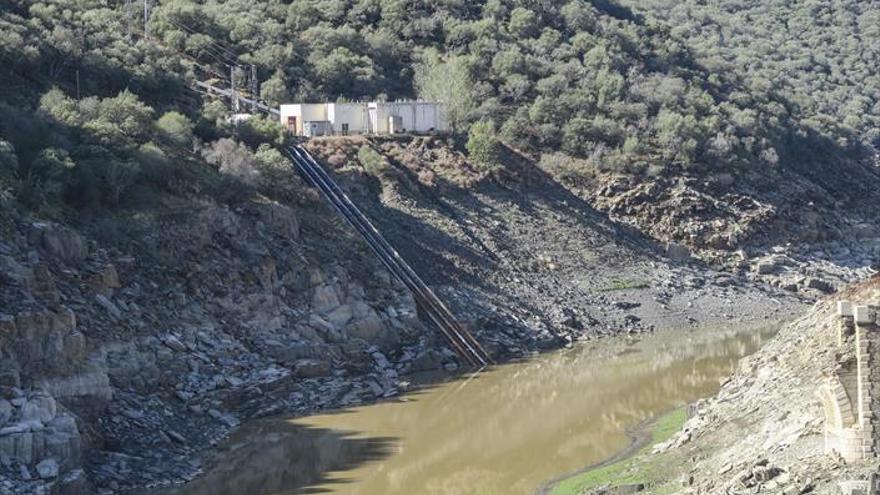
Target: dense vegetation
[(717, 85)]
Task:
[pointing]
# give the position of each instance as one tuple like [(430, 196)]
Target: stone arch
[(831, 408), (836, 404)]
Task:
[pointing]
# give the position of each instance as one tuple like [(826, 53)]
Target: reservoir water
[(505, 431)]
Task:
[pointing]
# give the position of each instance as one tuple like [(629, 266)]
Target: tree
[(233, 159), (274, 90), (483, 145), (344, 73), (8, 164), (42, 180), (176, 129), (523, 22), (579, 15), (447, 81)]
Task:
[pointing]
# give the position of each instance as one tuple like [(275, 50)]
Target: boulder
[(865, 231), (311, 368), (280, 219), (369, 328), (5, 411), (677, 252), (105, 280), (16, 272), (325, 299), (820, 285), (427, 360), (108, 305), (47, 468), (765, 268), (39, 408), (60, 242), (372, 329), (340, 316)]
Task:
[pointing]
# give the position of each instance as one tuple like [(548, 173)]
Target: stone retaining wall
[(852, 407)]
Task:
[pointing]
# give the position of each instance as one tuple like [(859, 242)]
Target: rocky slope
[(131, 344), (118, 365), (764, 431), (796, 229)]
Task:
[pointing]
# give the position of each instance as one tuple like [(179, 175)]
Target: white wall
[(353, 114), (416, 116), (304, 112)]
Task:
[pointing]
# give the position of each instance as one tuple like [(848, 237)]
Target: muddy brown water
[(505, 431)]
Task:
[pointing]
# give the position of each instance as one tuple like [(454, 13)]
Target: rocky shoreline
[(126, 356)]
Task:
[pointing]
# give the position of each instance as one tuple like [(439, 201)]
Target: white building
[(348, 118), (319, 119), (302, 119), (407, 116)]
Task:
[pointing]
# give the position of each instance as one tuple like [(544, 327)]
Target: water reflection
[(505, 431)]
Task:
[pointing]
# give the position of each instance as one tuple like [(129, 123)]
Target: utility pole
[(77, 85), (147, 19), (255, 87), (129, 14), (232, 95)]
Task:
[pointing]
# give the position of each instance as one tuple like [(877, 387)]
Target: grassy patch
[(640, 468), (624, 284)]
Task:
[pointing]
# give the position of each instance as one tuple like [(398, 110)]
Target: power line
[(147, 8), (219, 50)]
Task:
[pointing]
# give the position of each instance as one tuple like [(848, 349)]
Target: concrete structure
[(363, 118), (294, 117), (348, 118), (851, 395), (407, 116)]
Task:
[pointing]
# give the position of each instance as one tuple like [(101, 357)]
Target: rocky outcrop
[(108, 356), (33, 430), (799, 416)]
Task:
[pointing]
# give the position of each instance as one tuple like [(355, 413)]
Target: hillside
[(614, 168), (769, 429), (150, 334), (740, 139)]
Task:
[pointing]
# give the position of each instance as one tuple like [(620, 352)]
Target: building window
[(345, 129)]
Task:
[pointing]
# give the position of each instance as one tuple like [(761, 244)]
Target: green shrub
[(176, 129), (261, 130), (42, 181), (154, 163), (233, 159), (8, 165), (373, 163), (483, 145)]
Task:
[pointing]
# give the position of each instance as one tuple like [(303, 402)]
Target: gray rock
[(39, 408), (820, 285), (47, 468), (16, 272), (174, 343), (64, 424), (5, 411), (677, 252), (428, 360), (325, 299), (370, 328), (865, 231), (60, 242), (311, 368), (765, 268), (227, 419), (108, 306), (340, 316), (177, 437)]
